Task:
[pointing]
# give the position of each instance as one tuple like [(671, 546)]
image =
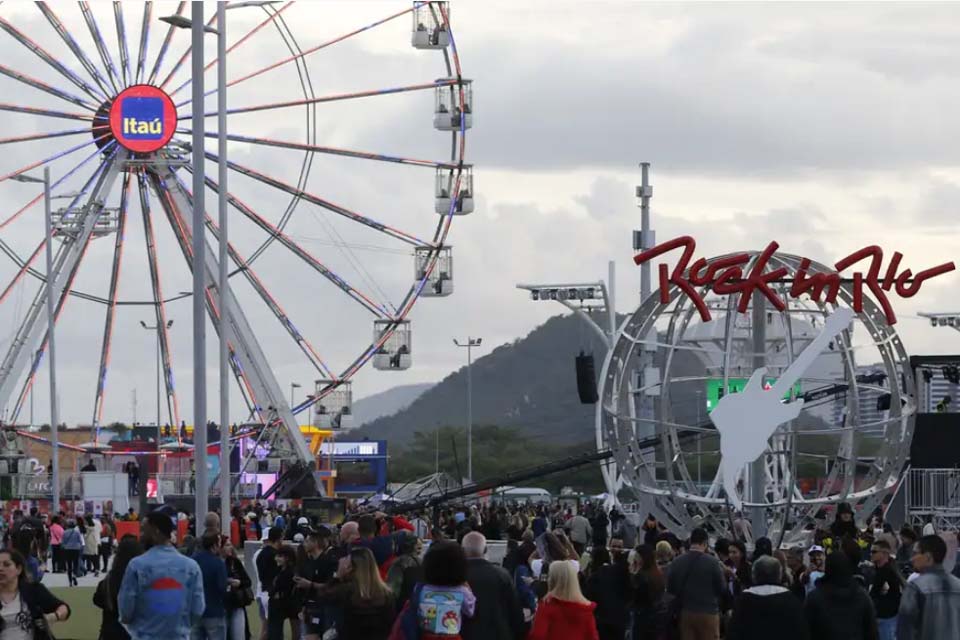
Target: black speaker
[(586, 379), (936, 441), (883, 402)]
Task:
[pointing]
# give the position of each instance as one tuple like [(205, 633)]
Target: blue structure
[(361, 465)]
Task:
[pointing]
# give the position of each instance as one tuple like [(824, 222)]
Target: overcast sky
[(823, 126)]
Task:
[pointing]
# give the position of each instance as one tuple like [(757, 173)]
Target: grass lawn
[(84, 622)]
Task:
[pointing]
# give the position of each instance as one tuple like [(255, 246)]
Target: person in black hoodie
[(767, 606), (885, 589), (608, 585), (843, 526), (839, 609)]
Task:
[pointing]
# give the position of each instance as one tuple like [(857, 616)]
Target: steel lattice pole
[(222, 282), (199, 289), (51, 345)]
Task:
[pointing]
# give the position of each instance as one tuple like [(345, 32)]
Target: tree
[(496, 452)]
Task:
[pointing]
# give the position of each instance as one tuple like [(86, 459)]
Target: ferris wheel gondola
[(130, 176)]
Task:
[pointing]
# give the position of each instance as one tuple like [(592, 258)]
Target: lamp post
[(157, 328), (196, 24), (51, 343), (469, 344), (293, 385)]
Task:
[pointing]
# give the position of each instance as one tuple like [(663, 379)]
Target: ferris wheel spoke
[(355, 294), (40, 163), (348, 153), (99, 42), (186, 54), (269, 19), (144, 40), (50, 113), (41, 53), (98, 177), (160, 310), (303, 54), (428, 86), (23, 269), (183, 240), (44, 136), (122, 43), (46, 88), (56, 183), (251, 276), (320, 202), (111, 305), (71, 43), (164, 46)]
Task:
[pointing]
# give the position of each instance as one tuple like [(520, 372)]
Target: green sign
[(715, 389)]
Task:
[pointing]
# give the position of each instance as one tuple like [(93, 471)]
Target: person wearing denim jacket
[(930, 604), (161, 596)]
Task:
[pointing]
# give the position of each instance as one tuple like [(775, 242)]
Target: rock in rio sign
[(143, 118), (726, 277)]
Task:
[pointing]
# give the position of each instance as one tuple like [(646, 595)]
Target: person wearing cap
[(161, 596), (816, 569), (318, 567)]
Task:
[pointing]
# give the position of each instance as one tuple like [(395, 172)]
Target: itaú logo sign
[(143, 118)]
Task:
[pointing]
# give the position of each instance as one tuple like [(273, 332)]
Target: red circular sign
[(143, 118)]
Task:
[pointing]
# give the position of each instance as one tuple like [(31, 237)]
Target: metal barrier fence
[(39, 487), (935, 494), (184, 484)]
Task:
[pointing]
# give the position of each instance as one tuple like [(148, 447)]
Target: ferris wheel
[(311, 226)]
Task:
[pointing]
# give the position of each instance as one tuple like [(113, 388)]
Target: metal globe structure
[(844, 446)]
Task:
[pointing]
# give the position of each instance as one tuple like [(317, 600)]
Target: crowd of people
[(591, 575)]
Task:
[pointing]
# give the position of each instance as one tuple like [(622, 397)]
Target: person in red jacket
[(564, 614)]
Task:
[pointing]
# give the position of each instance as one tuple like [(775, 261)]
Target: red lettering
[(760, 281), (677, 278), (814, 284), (725, 277)]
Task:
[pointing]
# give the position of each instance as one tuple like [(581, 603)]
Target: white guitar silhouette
[(746, 420)]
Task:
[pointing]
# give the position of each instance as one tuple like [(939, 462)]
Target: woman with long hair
[(358, 591), (739, 577), (239, 593), (26, 544), (283, 603), (27, 609), (564, 614), (648, 588), (105, 596)]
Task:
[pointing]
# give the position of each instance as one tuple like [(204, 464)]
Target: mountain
[(529, 384), (386, 403)]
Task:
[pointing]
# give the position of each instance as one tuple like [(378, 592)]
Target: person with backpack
[(438, 607)]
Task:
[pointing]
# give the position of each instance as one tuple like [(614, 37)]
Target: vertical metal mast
[(199, 290)]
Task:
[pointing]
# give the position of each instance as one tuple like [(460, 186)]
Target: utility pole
[(469, 344)]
